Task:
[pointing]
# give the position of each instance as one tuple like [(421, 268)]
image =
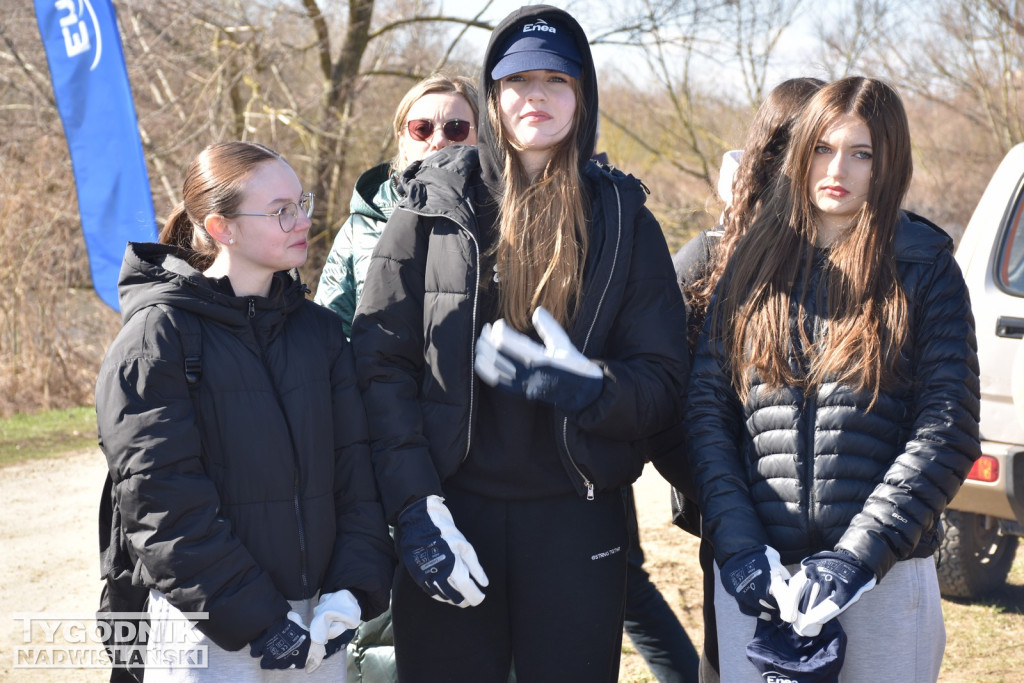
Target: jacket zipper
[(296, 478), (587, 484)]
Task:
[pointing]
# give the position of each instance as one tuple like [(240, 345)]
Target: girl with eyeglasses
[(519, 329), (436, 112), (833, 408), (235, 435)]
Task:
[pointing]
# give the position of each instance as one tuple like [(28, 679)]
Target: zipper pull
[(590, 490), (252, 307)]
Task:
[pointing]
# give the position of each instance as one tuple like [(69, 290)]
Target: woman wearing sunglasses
[(235, 435), (519, 329), (436, 112)]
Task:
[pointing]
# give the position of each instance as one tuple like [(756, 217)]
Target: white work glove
[(827, 584), (555, 373), (335, 615), (436, 554)]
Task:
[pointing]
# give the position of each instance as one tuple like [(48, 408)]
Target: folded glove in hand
[(555, 373)]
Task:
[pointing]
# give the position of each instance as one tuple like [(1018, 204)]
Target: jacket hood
[(491, 159), (367, 186), (919, 240), (154, 274)]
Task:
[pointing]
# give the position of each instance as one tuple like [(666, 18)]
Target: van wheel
[(972, 560)]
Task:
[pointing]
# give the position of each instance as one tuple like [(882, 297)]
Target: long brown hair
[(542, 227), (214, 183), (866, 307), (761, 163)]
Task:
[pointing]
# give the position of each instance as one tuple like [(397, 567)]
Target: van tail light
[(986, 468)]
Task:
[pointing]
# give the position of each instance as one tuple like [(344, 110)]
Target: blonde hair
[(542, 226), (439, 84)]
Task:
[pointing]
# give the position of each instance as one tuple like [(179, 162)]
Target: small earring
[(231, 240)]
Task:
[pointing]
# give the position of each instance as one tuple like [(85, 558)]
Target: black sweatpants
[(557, 571)]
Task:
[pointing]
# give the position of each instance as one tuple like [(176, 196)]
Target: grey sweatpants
[(223, 666), (895, 632)]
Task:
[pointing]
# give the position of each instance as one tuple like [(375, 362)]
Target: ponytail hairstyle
[(761, 163), (866, 326), (214, 184), (542, 225)]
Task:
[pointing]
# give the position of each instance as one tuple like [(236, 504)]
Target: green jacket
[(374, 198)]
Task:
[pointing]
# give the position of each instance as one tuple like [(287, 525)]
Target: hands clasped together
[(289, 644), (827, 584)]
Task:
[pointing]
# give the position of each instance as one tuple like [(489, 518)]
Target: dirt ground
[(48, 561)]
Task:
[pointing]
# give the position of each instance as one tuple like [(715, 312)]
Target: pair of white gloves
[(827, 584)]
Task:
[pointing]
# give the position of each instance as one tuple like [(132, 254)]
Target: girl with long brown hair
[(832, 409), (519, 329)]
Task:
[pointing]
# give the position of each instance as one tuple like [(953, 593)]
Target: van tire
[(973, 560)]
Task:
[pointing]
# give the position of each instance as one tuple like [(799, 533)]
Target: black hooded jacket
[(419, 318), (265, 493)]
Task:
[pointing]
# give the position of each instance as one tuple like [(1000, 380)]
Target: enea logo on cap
[(539, 25)]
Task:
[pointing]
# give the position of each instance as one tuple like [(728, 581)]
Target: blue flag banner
[(94, 98)]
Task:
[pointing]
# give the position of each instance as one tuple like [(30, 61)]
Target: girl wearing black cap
[(519, 329)]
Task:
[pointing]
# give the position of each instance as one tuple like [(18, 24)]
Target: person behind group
[(832, 407), (507, 493), (242, 476), (746, 179), (438, 111)]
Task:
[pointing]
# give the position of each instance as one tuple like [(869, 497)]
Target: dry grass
[(984, 639)]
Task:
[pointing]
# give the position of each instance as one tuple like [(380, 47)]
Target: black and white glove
[(335, 619), (284, 645), (555, 373), (757, 579), (827, 584), (437, 555)]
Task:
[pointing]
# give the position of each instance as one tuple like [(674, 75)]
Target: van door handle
[(1012, 328)]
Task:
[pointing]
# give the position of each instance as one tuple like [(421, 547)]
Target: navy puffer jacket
[(806, 473)]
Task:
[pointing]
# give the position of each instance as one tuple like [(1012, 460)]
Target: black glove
[(757, 579), (284, 645)]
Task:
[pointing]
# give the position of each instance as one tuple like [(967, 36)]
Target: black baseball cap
[(538, 44)]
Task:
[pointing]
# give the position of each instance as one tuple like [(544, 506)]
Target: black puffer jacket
[(417, 325), (419, 316), (266, 494), (805, 473)]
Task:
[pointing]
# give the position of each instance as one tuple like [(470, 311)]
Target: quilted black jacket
[(805, 473)]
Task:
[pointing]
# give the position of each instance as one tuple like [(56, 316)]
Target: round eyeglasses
[(456, 130), (288, 215)]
